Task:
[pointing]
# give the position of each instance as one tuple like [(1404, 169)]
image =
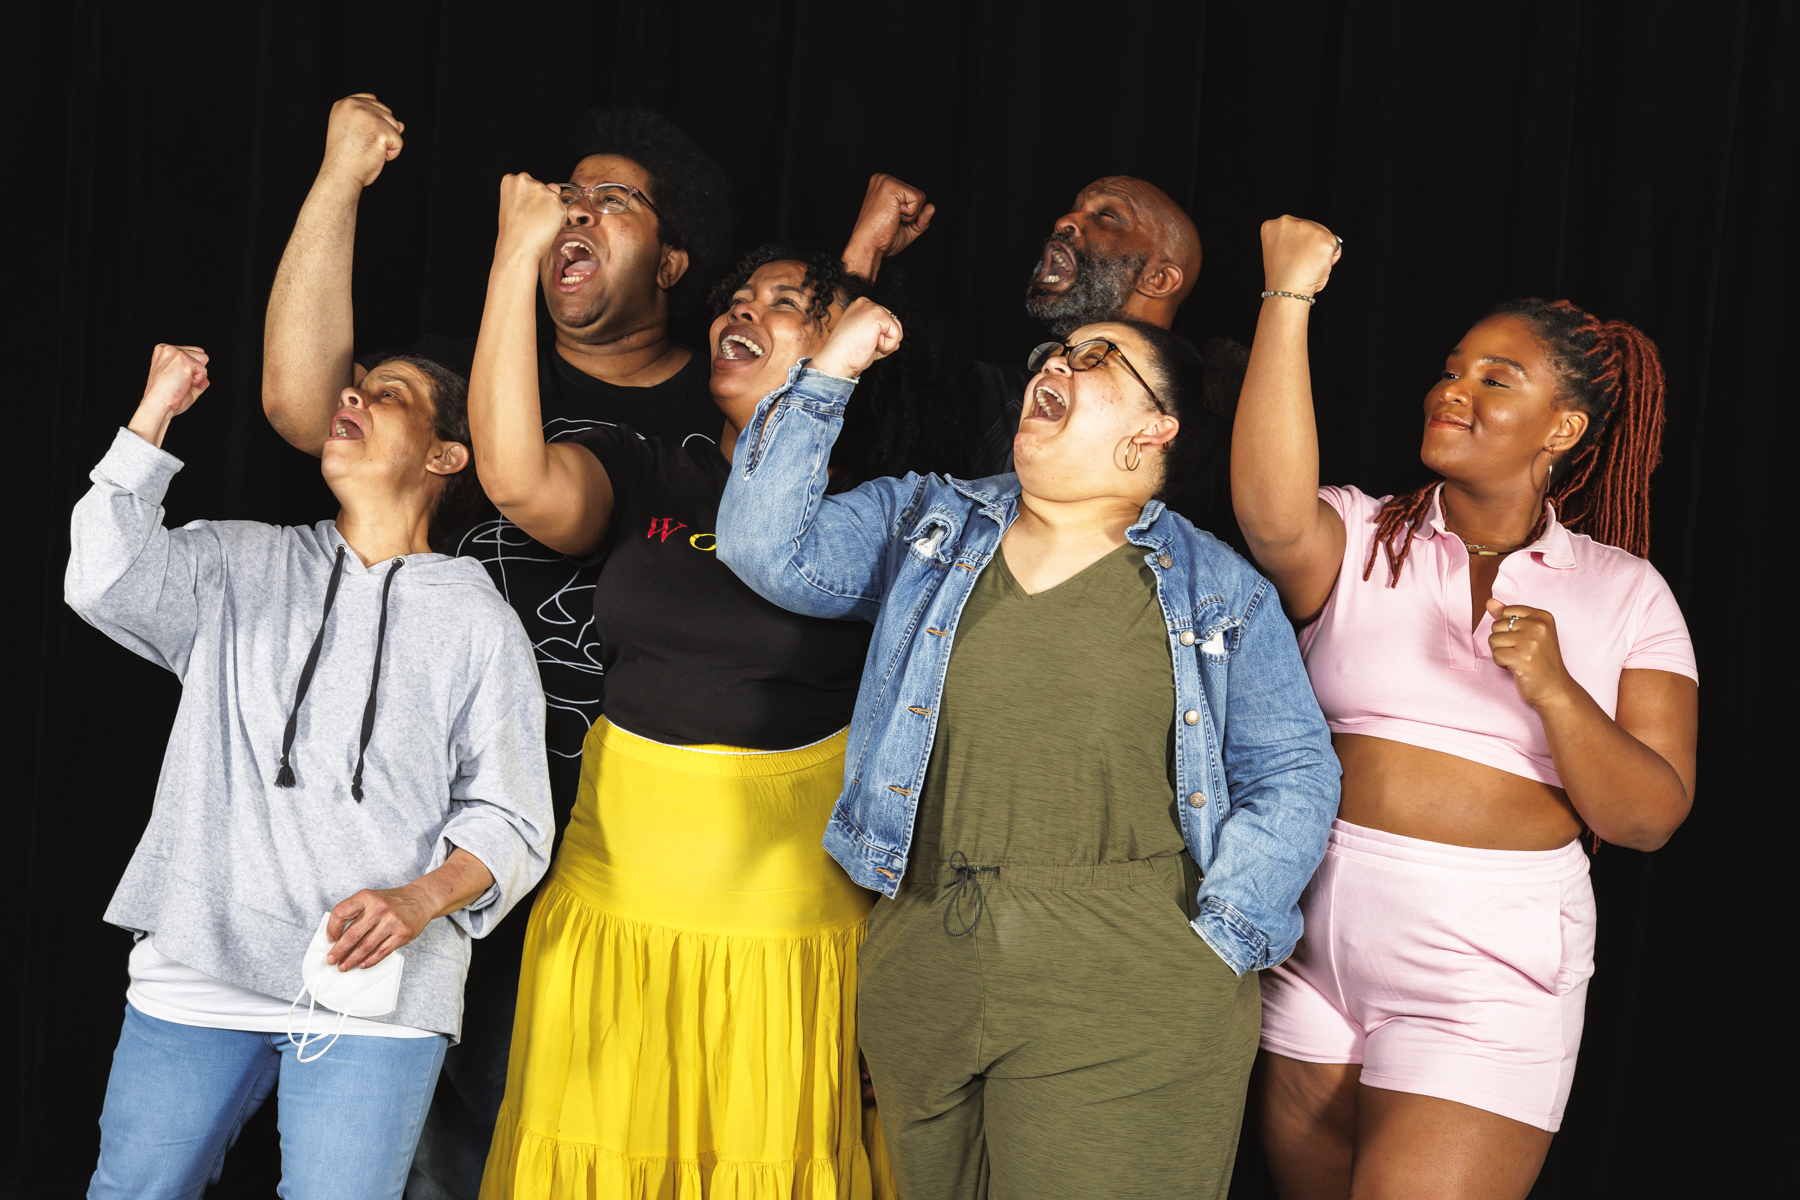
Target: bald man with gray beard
[(1124, 251)]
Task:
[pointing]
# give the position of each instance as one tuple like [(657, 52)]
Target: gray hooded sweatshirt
[(234, 872)]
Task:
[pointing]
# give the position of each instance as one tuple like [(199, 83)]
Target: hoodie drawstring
[(368, 725), (285, 776)]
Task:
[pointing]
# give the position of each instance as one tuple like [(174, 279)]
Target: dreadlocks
[(1610, 371)]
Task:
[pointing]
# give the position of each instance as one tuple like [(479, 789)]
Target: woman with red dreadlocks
[(1496, 682)]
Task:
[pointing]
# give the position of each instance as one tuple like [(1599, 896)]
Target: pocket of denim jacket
[(931, 536), (1220, 639)]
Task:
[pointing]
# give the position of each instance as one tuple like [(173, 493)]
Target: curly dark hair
[(1199, 387), (450, 423), (914, 410), (828, 281), (690, 191)]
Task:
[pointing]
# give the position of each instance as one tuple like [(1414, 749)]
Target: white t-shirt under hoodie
[(167, 990)]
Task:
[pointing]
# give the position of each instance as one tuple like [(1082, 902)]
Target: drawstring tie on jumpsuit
[(967, 877)]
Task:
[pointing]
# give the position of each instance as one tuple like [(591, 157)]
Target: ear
[(673, 266), (1158, 433), (1571, 423), (1160, 280), (448, 458)]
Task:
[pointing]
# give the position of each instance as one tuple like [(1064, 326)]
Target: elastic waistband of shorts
[(1521, 866)]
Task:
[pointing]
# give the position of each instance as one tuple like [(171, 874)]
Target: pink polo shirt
[(1401, 663)]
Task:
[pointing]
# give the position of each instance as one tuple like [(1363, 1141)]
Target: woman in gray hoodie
[(357, 765)]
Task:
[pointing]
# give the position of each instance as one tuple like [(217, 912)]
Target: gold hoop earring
[(1134, 455)]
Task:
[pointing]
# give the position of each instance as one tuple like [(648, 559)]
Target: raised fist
[(893, 215), (177, 377), (865, 334), (361, 138), (1298, 255), (531, 215)]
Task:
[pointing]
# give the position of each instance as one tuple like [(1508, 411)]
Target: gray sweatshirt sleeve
[(500, 801), (129, 577)]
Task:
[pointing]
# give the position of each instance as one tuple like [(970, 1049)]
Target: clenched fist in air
[(865, 334), (177, 377), (893, 215), (362, 137), (1298, 255), (531, 215)]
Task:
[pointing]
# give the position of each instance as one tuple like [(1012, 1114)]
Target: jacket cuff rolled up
[(816, 390), (1232, 937)]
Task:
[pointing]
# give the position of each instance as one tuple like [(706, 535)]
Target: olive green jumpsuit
[(1040, 1019)]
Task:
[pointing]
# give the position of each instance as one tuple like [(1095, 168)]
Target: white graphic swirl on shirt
[(560, 623)]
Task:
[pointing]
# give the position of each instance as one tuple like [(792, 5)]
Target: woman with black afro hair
[(687, 1003)]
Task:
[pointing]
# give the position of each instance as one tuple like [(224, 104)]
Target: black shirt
[(550, 592), (692, 655)]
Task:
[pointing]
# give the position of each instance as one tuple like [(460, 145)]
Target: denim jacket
[(1255, 772)]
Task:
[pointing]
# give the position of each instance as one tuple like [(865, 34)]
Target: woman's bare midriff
[(1439, 797)]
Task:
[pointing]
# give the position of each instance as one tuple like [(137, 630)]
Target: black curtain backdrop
[(1637, 157)]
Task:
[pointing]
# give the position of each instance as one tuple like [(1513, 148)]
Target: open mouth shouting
[(740, 345), (1047, 402), (576, 263), (1058, 270), (349, 425)]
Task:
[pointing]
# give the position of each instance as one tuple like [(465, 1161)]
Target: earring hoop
[(1134, 455)]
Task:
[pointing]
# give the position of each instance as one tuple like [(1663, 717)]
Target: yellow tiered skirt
[(687, 1006)]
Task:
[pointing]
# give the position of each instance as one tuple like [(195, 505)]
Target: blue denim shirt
[(1255, 772)]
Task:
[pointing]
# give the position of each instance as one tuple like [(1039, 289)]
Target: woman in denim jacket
[(1121, 753)]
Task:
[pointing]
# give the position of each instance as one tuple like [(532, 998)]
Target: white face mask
[(364, 992)]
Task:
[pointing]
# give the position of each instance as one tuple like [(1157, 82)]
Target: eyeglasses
[(609, 198), (1085, 356)]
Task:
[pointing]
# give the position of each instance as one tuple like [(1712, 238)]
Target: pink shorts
[(1445, 971)]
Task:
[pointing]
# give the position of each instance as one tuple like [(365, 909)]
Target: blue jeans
[(178, 1096)]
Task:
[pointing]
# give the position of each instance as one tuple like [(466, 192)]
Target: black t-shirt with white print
[(553, 594), (692, 655)]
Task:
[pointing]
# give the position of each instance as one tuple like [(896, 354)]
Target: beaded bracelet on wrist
[(1289, 295)]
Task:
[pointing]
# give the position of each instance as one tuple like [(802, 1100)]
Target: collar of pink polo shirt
[(1553, 547)]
